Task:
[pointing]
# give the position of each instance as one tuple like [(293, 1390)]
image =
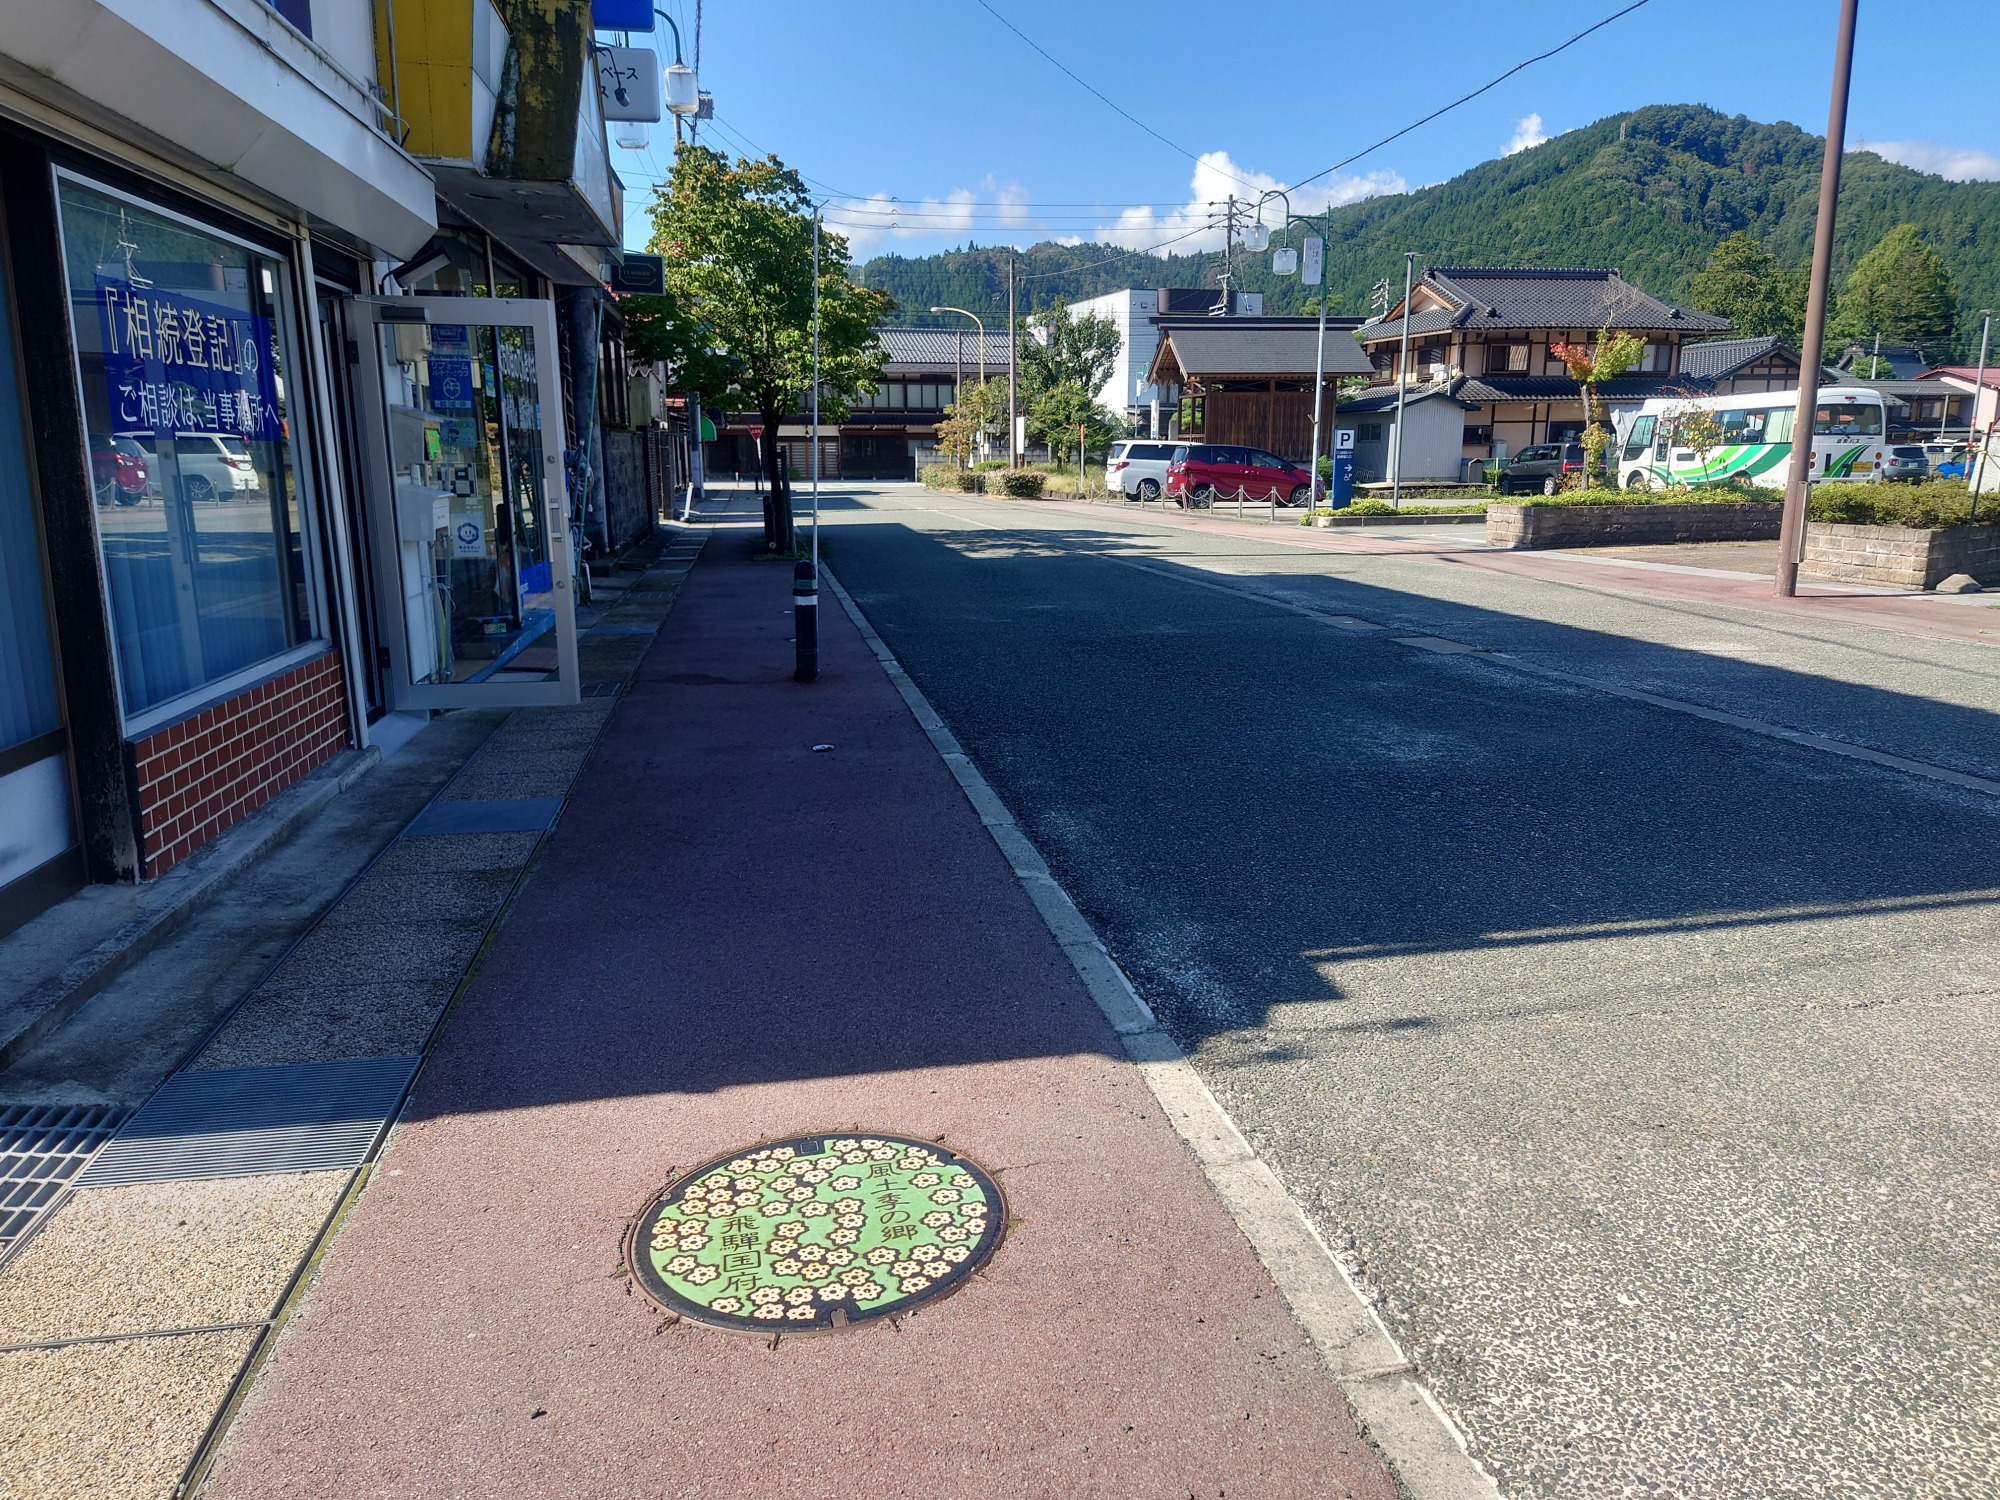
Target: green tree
[(1059, 348), (1590, 365), (1744, 283), (662, 328), (1063, 412), (1903, 290), (738, 243), (980, 408)]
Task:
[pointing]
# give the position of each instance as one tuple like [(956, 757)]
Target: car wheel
[(1300, 494), (1637, 480), (1550, 486), (200, 490), (1149, 490), (1202, 495)]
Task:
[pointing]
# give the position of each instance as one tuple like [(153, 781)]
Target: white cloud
[(872, 222), (1196, 225), (1527, 133), (1956, 163)]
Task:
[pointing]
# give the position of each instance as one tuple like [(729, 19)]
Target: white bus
[(1754, 440)]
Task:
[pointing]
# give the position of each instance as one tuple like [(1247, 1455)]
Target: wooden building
[(1250, 380)]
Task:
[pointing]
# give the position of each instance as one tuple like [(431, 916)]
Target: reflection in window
[(1741, 426), (182, 363)]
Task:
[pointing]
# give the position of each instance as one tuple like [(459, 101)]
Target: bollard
[(805, 621)]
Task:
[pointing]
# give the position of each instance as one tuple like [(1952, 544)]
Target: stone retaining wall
[(1901, 557), (1525, 526)]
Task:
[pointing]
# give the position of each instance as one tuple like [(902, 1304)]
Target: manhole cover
[(816, 1233)]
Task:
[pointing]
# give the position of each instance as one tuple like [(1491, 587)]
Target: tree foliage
[(980, 408), (1745, 284), (1059, 347), (1590, 365), (1901, 289), (662, 328), (738, 243), (1062, 412)]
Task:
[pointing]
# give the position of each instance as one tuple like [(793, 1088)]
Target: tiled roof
[(1482, 389), (938, 348), (1722, 357), (1385, 399), (1239, 346), (1967, 373), (1501, 298)]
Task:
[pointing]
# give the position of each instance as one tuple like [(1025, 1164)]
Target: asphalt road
[(1642, 1066)]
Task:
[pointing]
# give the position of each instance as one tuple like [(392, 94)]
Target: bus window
[(1641, 436), (1848, 421), (1778, 425), (1741, 426)]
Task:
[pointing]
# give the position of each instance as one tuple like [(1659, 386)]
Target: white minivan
[(1138, 468)]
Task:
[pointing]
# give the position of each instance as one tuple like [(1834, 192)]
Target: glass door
[(472, 555)]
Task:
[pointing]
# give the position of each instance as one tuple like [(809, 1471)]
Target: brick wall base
[(213, 769), (1527, 526), (1901, 557)]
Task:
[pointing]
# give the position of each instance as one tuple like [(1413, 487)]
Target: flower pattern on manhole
[(817, 1232)]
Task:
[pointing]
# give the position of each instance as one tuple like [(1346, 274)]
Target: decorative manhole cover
[(817, 1232)]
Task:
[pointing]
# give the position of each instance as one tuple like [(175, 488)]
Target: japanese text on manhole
[(818, 1232)]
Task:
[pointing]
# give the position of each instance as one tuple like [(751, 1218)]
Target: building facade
[(1250, 381), (299, 406), (1135, 313)]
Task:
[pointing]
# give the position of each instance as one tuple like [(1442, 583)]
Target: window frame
[(302, 437)]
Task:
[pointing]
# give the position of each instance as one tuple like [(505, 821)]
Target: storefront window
[(182, 366)]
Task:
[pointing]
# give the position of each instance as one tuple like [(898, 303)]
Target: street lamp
[(1289, 255), (982, 354)]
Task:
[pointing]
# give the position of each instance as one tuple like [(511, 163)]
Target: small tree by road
[(1065, 413), (1061, 348), (1590, 365), (981, 407), (738, 244)]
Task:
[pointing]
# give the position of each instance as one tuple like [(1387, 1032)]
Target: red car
[(1203, 473), (120, 471)]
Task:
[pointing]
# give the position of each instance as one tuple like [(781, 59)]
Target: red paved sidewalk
[(732, 938)]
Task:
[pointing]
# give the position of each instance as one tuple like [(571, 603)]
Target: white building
[(1132, 313)]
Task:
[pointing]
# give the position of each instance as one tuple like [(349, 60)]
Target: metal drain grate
[(42, 1148), (486, 815), (241, 1122), (602, 689)]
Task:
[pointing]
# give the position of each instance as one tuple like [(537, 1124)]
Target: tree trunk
[(778, 531)]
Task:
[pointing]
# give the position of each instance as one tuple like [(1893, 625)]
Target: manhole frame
[(640, 1273)]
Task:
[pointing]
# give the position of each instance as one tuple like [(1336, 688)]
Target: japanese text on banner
[(179, 366)]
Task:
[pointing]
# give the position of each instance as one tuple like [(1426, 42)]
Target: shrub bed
[(1022, 484), (1932, 504)]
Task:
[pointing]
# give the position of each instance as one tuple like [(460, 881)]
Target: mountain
[(1650, 192)]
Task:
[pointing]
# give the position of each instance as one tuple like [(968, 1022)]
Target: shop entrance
[(470, 521)]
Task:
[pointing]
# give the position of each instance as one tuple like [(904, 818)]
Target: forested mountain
[(1651, 192)]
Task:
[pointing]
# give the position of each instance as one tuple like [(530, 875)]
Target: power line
[(1467, 98), (1115, 108)]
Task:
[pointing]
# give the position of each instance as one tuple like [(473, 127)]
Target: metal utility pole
[(1403, 378), (1319, 367), (1798, 484), (1013, 365), (815, 409)]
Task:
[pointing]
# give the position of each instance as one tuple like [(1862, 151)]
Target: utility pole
[(1013, 365), (1221, 309), (1319, 365), (1798, 484), (1403, 379)]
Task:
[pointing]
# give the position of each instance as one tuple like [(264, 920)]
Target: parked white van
[(1138, 468)]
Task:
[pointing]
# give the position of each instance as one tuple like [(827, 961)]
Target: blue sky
[(929, 123)]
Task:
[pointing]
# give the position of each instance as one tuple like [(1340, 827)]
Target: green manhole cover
[(818, 1232)]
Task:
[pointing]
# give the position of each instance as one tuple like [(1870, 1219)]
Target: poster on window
[(181, 366)]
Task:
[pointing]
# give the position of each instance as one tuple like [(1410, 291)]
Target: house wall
[(1278, 421), (1432, 442), (1482, 353), (1765, 375)]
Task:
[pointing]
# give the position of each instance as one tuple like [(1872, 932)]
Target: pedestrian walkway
[(733, 936), (134, 1298)]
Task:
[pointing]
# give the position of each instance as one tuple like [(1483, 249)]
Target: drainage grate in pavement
[(241, 1122), (817, 1233), (42, 1148), (602, 689), (487, 815)]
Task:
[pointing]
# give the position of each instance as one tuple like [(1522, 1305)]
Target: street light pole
[(1403, 377), (1792, 534), (1976, 460), (1013, 363), (981, 326)]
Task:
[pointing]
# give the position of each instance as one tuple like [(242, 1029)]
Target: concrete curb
[(173, 900), (1415, 1436)]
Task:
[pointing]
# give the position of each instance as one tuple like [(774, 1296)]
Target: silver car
[(1138, 468), (1905, 463)]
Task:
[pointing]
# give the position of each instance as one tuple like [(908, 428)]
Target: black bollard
[(805, 621)]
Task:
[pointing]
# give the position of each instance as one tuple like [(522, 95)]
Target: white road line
[(1414, 1434)]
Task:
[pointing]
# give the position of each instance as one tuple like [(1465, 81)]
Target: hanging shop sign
[(183, 366)]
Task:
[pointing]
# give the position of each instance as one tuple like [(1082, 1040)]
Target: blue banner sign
[(1342, 494), (451, 384), (181, 366)]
